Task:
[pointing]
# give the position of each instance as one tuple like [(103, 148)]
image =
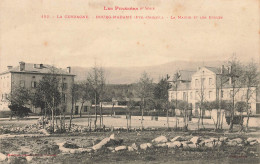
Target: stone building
[(208, 84), (28, 75)]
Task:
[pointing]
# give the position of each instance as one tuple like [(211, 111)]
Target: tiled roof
[(214, 69), (36, 68), (186, 75)]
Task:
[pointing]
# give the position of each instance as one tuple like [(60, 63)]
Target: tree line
[(49, 96)]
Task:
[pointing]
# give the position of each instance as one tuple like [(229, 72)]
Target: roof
[(186, 75), (38, 69), (182, 86), (214, 69)]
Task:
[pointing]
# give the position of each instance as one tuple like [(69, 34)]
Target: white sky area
[(25, 36)]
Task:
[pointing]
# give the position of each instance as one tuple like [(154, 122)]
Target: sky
[(25, 36)]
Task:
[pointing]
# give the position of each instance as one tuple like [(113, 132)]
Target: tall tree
[(235, 72), (48, 92), (221, 79), (161, 95), (145, 89), (96, 79), (176, 78), (251, 79)]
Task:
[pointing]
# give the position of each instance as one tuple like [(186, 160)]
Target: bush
[(236, 120), (19, 111)]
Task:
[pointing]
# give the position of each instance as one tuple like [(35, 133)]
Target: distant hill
[(128, 75)]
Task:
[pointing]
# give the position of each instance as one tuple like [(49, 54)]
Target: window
[(184, 96), (257, 108), (64, 86), (210, 81), (34, 84), (22, 83), (190, 95), (210, 94), (196, 82), (85, 108)]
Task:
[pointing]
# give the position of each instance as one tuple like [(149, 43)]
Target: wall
[(5, 89)]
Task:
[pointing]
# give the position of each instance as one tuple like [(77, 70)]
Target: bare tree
[(221, 79), (161, 96), (235, 72), (96, 79), (48, 90), (251, 79), (176, 78), (201, 95), (74, 96), (145, 88)]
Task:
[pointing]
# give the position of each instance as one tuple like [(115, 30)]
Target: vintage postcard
[(129, 81)]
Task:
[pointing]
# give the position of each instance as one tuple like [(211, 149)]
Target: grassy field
[(45, 149)]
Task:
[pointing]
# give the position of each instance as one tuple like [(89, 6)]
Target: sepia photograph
[(130, 81)]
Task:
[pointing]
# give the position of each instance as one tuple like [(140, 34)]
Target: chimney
[(68, 69), (9, 67), (22, 66), (198, 68)]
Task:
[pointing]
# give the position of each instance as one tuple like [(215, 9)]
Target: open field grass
[(45, 149)]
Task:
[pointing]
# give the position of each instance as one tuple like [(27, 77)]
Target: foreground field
[(21, 142), (45, 149)]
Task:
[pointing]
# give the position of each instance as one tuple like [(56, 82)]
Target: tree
[(241, 106), (19, 99), (83, 93), (96, 80), (235, 71), (201, 95), (130, 106), (161, 96), (251, 79), (74, 96), (221, 79), (176, 81), (184, 107), (48, 92), (145, 88)]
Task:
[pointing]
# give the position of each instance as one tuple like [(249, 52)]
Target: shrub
[(19, 111)]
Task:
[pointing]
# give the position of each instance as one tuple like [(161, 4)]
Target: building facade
[(208, 84), (28, 75)]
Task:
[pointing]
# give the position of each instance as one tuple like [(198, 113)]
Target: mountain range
[(128, 75)]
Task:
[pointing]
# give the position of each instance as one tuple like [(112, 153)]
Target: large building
[(28, 75), (208, 84)]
